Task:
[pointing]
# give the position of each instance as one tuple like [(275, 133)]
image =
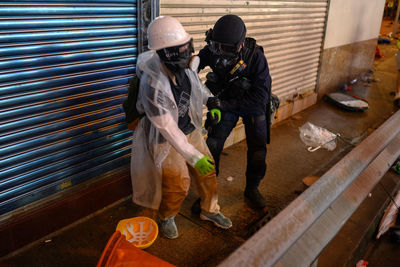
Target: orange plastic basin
[(119, 252), (140, 231)]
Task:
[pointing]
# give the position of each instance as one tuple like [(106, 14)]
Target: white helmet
[(166, 31)]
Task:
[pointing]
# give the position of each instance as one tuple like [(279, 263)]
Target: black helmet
[(227, 35)]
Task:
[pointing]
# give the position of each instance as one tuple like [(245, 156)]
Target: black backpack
[(132, 115)]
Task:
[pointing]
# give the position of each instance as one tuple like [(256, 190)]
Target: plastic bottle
[(361, 263), (354, 81), (346, 88)]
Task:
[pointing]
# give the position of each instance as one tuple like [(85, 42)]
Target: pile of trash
[(346, 99)]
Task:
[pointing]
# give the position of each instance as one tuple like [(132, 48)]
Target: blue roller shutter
[(64, 70)]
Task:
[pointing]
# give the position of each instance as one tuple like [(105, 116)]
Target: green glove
[(217, 112), (398, 167), (204, 165)]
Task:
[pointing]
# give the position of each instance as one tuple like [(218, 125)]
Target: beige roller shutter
[(291, 33)]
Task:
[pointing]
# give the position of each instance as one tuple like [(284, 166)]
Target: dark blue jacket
[(254, 101)]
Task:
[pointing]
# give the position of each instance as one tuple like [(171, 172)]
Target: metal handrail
[(277, 241)]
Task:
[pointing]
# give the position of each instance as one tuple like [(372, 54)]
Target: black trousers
[(256, 138)]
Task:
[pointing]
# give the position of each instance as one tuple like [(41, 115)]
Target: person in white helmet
[(168, 147)]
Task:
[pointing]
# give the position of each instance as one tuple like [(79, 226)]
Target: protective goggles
[(222, 49), (177, 53)]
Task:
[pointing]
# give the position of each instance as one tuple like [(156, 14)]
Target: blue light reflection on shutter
[(64, 72)]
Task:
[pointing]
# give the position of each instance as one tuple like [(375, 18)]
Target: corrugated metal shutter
[(291, 33), (64, 69)]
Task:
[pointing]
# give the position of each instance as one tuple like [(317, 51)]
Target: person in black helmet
[(241, 84)]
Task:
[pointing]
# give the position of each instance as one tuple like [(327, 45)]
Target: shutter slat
[(64, 72)]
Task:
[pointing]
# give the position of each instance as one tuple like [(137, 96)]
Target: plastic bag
[(389, 217), (120, 252), (317, 137)]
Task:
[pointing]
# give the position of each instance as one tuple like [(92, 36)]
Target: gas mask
[(225, 64), (227, 55), (177, 57)]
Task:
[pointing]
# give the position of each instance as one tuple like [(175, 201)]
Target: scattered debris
[(368, 77), (361, 98), (361, 263), (316, 137), (347, 102), (346, 88), (389, 217), (378, 53), (354, 81), (383, 41), (309, 180)]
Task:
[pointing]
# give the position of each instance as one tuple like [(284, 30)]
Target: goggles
[(223, 49), (176, 53)]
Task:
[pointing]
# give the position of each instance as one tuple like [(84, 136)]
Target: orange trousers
[(176, 175)]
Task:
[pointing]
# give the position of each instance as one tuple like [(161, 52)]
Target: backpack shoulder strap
[(249, 50), (129, 104)]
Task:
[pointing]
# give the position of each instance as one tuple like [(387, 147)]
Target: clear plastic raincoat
[(158, 130)]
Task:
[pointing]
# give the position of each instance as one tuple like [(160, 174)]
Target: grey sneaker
[(218, 219), (169, 229)]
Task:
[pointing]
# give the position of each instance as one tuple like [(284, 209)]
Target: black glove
[(239, 87), (210, 121), (214, 107), (213, 102)]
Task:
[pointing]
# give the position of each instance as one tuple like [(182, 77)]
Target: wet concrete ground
[(200, 243), (383, 253)]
